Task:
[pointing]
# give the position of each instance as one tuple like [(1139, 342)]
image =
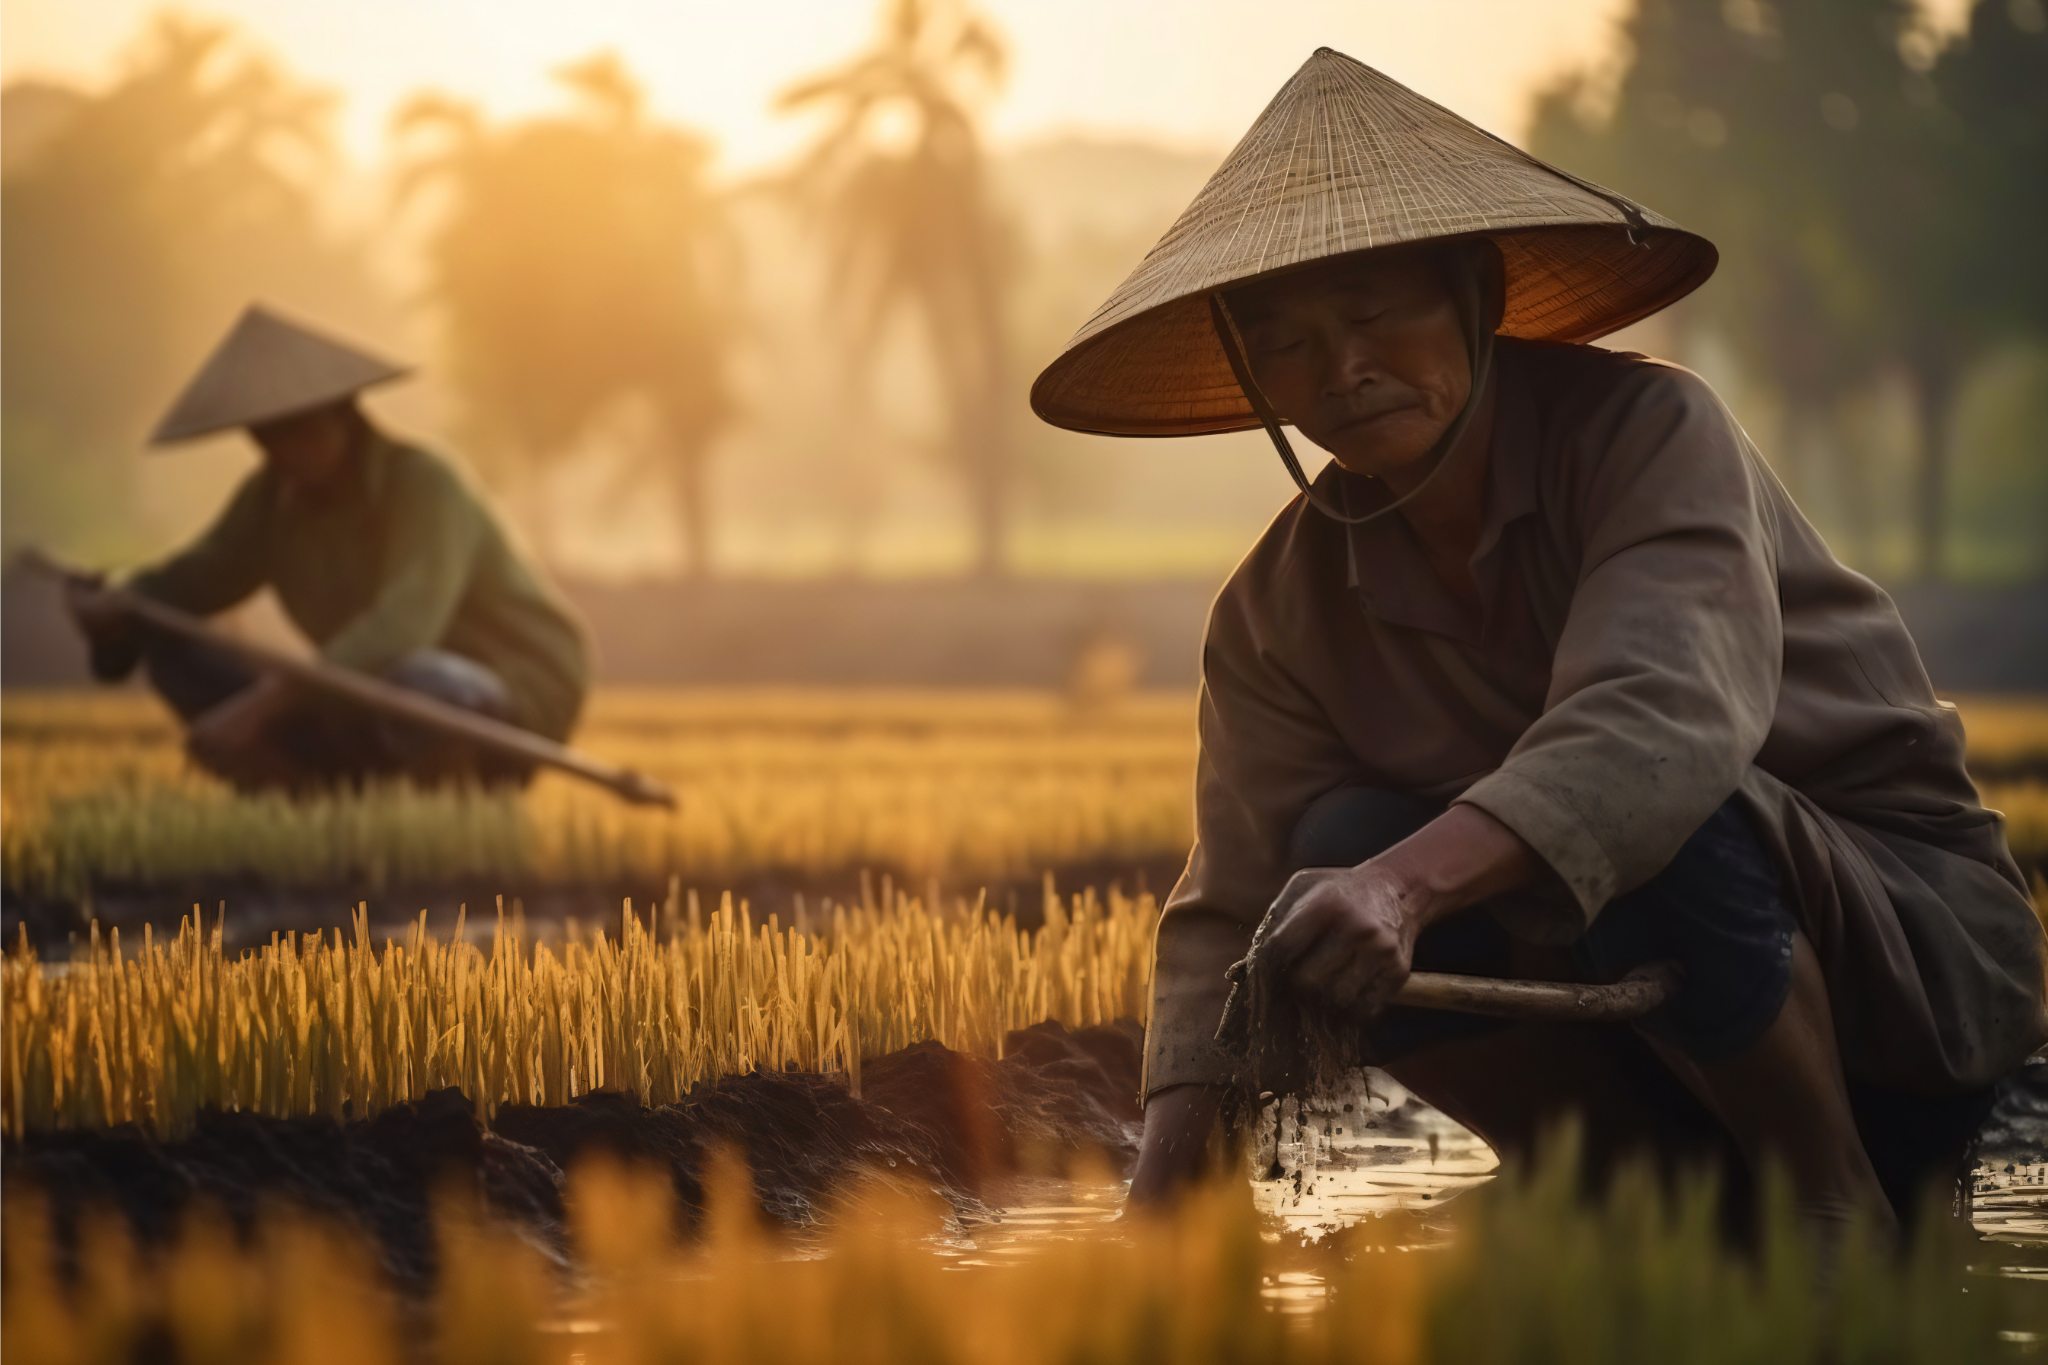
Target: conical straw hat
[(268, 367), (1346, 159)]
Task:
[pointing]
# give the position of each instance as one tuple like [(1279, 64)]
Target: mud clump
[(1055, 1092), (378, 1175), (928, 1116), (802, 1136)]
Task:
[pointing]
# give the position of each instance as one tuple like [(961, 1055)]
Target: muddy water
[(1387, 1153), (1383, 1154)]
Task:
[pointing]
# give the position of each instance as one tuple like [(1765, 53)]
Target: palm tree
[(581, 261), (138, 219), (900, 186)]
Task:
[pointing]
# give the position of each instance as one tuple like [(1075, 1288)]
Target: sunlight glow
[(1193, 73)]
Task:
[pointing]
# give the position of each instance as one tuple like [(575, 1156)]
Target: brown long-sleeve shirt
[(1659, 629)]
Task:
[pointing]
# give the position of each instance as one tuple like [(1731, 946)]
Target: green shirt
[(403, 557)]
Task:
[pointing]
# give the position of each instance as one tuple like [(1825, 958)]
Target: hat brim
[(1162, 372), (171, 434)]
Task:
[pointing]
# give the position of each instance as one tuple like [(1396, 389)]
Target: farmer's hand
[(1345, 935), (98, 612)]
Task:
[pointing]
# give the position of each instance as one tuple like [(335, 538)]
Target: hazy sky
[(1192, 71)]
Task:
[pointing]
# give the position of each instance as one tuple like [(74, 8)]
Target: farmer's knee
[(1344, 827), (1723, 910), (455, 679)]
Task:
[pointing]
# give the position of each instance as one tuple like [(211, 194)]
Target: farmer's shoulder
[(1276, 591), (415, 470), (1591, 397)]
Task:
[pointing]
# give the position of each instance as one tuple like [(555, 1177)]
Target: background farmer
[(1545, 673), (377, 550)]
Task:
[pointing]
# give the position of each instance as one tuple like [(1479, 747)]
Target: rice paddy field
[(836, 1061), (786, 794), (793, 793)]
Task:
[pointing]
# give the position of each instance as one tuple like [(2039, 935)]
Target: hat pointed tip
[(268, 366)]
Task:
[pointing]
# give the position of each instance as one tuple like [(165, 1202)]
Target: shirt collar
[(1386, 568)]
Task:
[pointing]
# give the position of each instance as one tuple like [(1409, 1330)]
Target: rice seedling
[(339, 1025), (1532, 1274)]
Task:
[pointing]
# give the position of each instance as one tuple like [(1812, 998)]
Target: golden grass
[(2006, 729), (336, 1024), (1531, 1276), (966, 788), (94, 792)]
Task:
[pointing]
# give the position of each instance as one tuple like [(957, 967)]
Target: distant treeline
[(660, 369)]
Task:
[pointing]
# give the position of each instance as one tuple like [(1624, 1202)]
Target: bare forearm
[(1462, 857), (1174, 1151)]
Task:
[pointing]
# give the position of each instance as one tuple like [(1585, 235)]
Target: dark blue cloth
[(1719, 909)]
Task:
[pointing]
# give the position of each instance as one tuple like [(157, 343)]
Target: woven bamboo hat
[(1346, 159), (265, 368)]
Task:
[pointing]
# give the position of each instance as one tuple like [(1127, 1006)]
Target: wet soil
[(994, 1139), (948, 1123)]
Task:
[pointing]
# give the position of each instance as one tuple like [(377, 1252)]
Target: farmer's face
[(307, 449), (1364, 355)]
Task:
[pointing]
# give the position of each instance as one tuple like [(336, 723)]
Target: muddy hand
[(1344, 936)]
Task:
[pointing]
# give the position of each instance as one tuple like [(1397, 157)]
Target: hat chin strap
[(1472, 307)]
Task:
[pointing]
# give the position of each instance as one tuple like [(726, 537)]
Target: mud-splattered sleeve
[(1665, 678)]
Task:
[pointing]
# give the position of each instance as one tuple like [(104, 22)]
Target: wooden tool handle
[(1632, 997), (378, 695)]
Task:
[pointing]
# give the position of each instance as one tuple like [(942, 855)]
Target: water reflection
[(1378, 1167), (1381, 1164)]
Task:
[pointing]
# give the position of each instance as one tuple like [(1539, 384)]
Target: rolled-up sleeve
[(1665, 678), (1267, 751)]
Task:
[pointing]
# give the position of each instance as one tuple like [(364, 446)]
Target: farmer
[(377, 550), (1543, 675)]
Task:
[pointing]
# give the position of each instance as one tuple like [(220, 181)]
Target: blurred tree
[(900, 184), (1864, 186), (1965, 235), (579, 262), (138, 219), (1716, 120)]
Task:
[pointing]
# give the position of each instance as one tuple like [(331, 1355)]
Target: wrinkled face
[(1365, 355), (307, 449)]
